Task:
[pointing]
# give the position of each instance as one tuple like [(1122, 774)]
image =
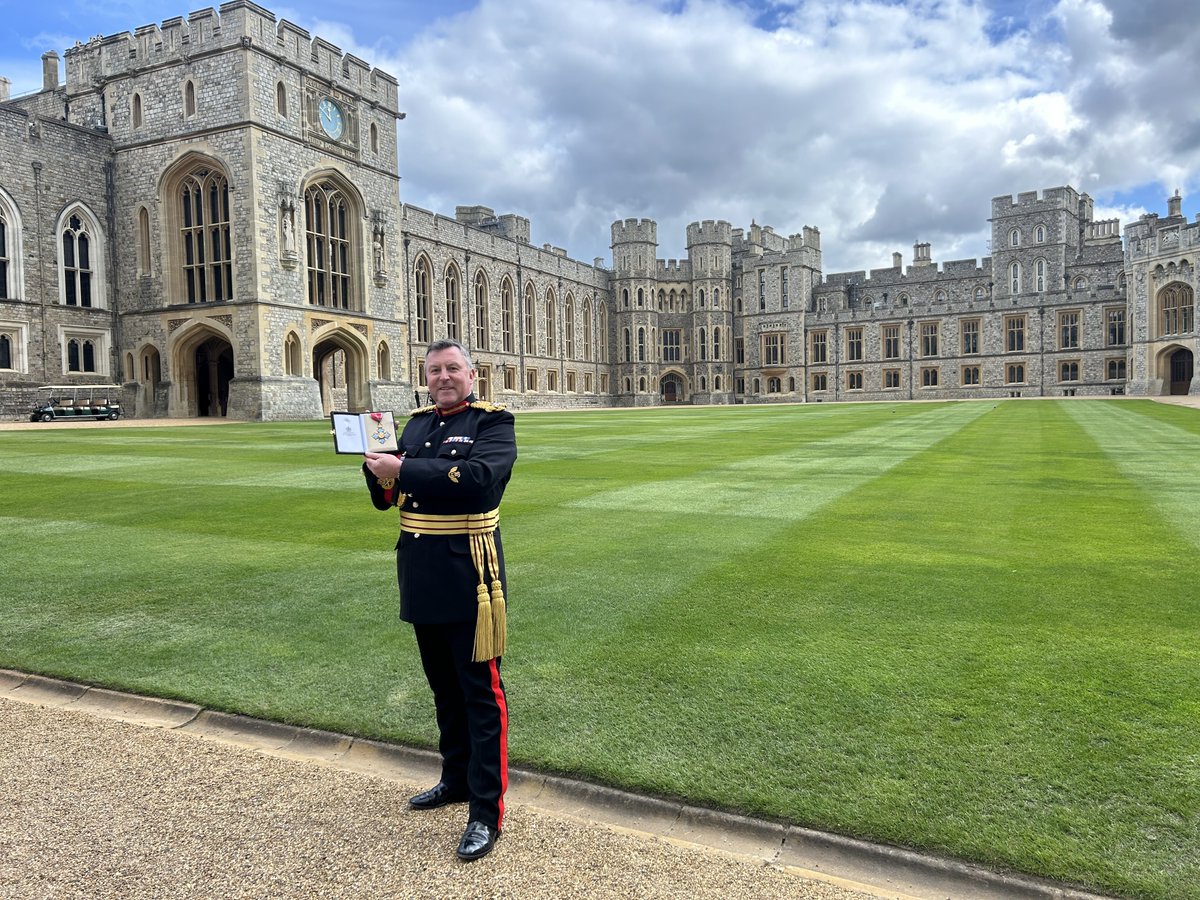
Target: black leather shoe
[(438, 795), (477, 841)]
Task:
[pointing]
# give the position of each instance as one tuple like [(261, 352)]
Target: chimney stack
[(1175, 205), (5, 89), (49, 71)]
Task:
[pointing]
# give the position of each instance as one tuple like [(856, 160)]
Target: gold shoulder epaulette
[(487, 406), (422, 410)]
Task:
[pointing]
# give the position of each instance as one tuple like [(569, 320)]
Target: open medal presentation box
[(369, 432)]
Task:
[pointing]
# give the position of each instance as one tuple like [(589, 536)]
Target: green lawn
[(963, 627)]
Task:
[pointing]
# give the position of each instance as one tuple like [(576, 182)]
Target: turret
[(635, 248)]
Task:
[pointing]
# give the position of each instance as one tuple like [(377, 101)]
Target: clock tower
[(255, 171)]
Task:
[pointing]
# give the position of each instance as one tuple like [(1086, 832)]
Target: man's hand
[(383, 465)]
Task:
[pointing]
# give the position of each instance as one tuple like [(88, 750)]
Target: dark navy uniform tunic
[(455, 462)]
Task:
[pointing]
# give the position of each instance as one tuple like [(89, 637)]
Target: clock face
[(331, 118)]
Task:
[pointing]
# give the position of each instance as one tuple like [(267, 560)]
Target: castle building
[(207, 214)]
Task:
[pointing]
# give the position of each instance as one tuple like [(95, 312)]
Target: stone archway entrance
[(1183, 368), (214, 371), (671, 388), (340, 367), (203, 363)]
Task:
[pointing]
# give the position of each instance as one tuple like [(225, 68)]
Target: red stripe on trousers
[(502, 705)]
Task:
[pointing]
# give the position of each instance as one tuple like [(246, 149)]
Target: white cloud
[(880, 123)]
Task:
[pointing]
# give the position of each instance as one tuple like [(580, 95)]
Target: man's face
[(448, 377)]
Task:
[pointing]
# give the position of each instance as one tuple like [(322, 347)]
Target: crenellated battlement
[(1055, 198), (1102, 231), (674, 270), (630, 231), (239, 24), (920, 273), (809, 238), (709, 232)]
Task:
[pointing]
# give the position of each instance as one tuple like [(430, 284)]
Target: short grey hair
[(447, 344)]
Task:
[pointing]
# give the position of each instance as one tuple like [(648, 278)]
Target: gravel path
[(100, 809)]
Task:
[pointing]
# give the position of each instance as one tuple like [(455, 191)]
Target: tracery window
[(482, 319), (81, 356), (603, 337), (1014, 274), (551, 349), (422, 277), (569, 327), (328, 222), (76, 263), (506, 315), (1177, 305), (530, 321), (291, 354), (206, 236), (84, 353), (587, 328), (6, 261), (453, 303)]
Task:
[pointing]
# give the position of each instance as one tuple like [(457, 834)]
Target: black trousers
[(472, 717)]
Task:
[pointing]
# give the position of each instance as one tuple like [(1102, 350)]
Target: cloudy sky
[(881, 122)]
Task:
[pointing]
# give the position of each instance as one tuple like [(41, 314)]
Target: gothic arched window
[(550, 317), (506, 315), (329, 223), (207, 240), (453, 304), (482, 319), (422, 278), (76, 262), (530, 320), (569, 327)]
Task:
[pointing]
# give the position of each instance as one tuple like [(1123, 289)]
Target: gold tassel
[(499, 619), (483, 616), (483, 628)]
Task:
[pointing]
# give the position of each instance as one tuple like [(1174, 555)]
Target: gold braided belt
[(490, 620)]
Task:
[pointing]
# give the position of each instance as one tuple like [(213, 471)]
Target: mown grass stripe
[(1158, 456)]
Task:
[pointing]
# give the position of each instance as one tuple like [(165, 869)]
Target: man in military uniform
[(455, 459)]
